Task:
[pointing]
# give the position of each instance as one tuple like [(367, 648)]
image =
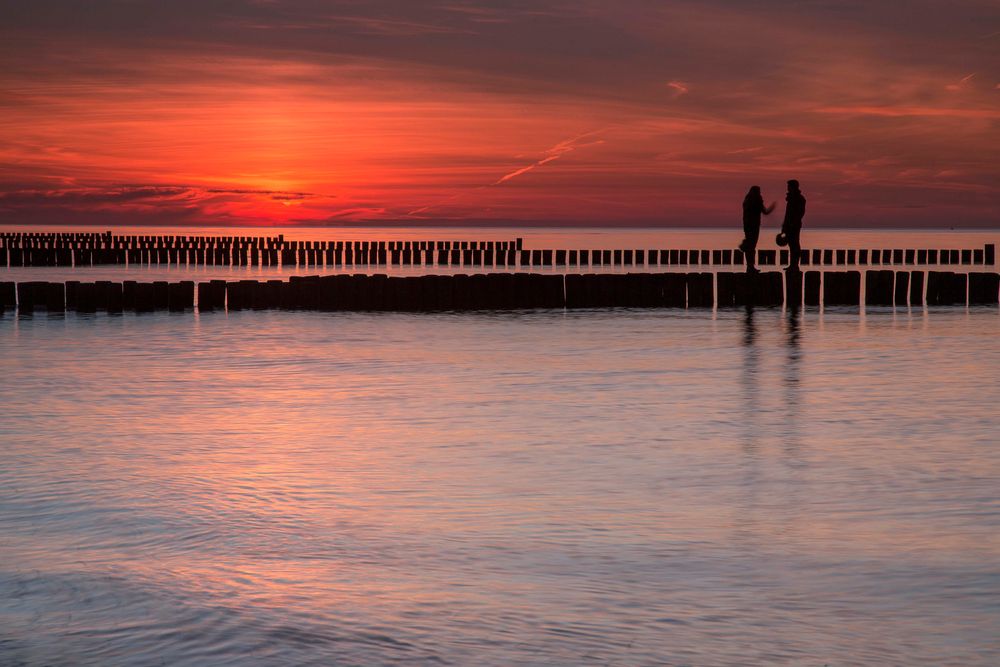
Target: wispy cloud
[(553, 154), (678, 88), (961, 84)]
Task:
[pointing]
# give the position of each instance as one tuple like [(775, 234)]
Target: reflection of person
[(795, 210), (753, 207)]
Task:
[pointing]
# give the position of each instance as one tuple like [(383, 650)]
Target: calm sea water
[(548, 488)]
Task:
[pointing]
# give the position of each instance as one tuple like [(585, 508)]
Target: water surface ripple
[(548, 488)]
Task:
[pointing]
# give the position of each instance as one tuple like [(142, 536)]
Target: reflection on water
[(607, 487)]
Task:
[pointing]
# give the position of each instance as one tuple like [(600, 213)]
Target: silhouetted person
[(753, 207), (795, 210)]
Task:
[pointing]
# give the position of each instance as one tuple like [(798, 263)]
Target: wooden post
[(699, 290), (983, 288), (841, 288), (8, 294), (945, 288), (902, 288), (917, 288), (793, 288), (113, 297), (879, 287)]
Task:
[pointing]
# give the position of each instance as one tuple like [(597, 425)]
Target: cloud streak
[(551, 155)]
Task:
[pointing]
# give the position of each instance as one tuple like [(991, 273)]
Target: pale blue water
[(549, 488)]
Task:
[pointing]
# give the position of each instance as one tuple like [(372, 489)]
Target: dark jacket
[(753, 208), (795, 210)]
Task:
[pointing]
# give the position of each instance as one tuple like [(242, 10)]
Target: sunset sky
[(624, 112)]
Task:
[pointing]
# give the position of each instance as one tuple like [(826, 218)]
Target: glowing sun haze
[(627, 112)]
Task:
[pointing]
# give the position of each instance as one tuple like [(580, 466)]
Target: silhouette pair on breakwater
[(791, 227)]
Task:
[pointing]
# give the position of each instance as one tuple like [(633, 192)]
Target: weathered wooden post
[(699, 290), (113, 299), (86, 298), (917, 288), (181, 296), (725, 288), (879, 288), (945, 288), (793, 288), (902, 288), (984, 288), (842, 288)]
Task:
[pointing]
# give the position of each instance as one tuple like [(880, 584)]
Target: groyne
[(20, 249), (511, 291)]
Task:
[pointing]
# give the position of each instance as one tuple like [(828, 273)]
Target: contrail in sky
[(552, 154)]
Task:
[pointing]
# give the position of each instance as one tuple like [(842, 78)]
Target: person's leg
[(752, 234), (794, 250)]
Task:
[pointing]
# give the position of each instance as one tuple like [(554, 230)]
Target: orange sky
[(631, 113)]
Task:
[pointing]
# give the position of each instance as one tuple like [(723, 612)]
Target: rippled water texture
[(606, 487)]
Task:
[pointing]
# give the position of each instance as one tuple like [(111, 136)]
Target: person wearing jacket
[(795, 210), (753, 207)]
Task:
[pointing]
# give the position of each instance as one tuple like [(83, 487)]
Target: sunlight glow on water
[(594, 487)]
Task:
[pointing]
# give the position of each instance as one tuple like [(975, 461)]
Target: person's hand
[(773, 204)]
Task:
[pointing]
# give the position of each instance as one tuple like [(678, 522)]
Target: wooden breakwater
[(511, 291), (19, 249)]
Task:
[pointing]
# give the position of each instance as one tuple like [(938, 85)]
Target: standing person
[(753, 206), (795, 210)]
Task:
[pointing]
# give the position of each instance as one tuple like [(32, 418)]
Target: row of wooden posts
[(506, 291), (36, 249)]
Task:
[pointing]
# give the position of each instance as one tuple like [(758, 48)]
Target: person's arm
[(768, 209)]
